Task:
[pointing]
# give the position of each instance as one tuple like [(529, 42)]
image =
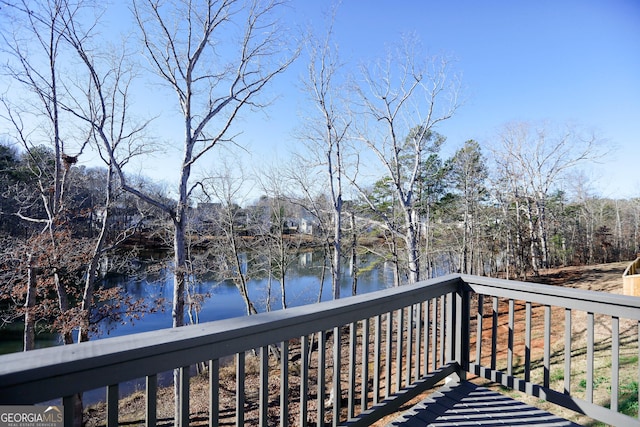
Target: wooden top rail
[(577, 299), (633, 268)]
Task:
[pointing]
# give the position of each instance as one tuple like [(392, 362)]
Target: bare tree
[(536, 158), (325, 136), (75, 106), (215, 73), (280, 238), (104, 107), (234, 253), (68, 109), (403, 98), (326, 133), (224, 191), (39, 33), (302, 176), (212, 84)]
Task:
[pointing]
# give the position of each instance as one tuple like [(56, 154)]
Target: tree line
[(369, 164), (468, 221)]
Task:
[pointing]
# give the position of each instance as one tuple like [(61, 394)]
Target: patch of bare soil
[(600, 277)]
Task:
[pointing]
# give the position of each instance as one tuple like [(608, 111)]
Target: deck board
[(467, 404)]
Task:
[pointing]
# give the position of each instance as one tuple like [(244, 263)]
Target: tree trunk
[(30, 302), (412, 248), (354, 256), (63, 304), (177, 311), (90, 279), (337, 248), (427, 244), (465, 241), (325, 258), (542, 231), (520, 262), (618, 233), (535, 265), (396, 262), (241, 283), (283, 269)]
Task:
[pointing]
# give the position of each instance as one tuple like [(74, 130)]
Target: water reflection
[(224, 301), (222, 298)]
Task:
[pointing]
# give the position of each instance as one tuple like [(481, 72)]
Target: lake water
[(224, 300)]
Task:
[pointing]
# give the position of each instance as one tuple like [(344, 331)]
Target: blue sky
[(557, 60), (519, 60)]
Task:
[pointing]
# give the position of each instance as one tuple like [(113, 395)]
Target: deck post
[(151, 400), (452, 336), (463, 331), (450, 327), (112, 405), (184, 396), (68, 404)]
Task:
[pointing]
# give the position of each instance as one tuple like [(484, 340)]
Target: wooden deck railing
[(582, 341), (372, 353)]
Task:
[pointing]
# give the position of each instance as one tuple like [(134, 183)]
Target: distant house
[(305, 259), (205, 216), (121, 217), (307, 226)]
